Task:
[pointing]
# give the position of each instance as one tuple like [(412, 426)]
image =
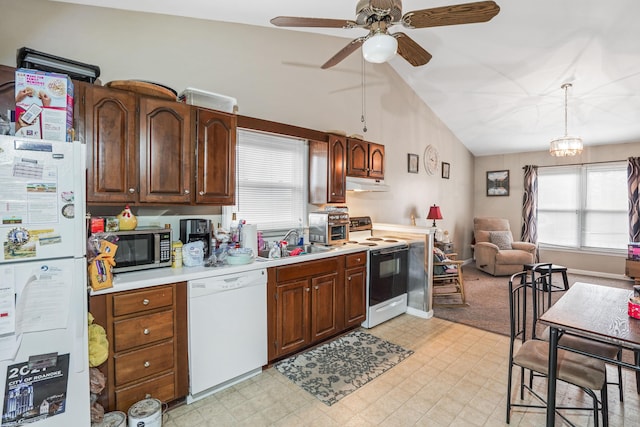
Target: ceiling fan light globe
[(379, 48)]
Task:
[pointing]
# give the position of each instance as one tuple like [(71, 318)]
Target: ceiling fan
[(378, 16)]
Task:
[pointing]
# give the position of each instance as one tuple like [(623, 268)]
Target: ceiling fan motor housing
[(390, 10)]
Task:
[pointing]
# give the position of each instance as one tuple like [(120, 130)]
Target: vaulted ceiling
[(497, 85)]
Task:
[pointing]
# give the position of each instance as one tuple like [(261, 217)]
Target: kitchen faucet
[(289, 234)]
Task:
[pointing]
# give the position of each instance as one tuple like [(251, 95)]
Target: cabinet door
[(355, 311), (216, 158), (324, 318), (357, 157), (337, 169), (292, 317), (376, 160), (7, 94), (109, 131), (166, 151)]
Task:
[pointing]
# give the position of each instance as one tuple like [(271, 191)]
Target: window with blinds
[(271, 181), (583, 206)]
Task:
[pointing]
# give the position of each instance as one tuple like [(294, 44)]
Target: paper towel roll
[(249, 237)]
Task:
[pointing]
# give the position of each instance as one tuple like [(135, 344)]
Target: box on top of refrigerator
[(44, 105)]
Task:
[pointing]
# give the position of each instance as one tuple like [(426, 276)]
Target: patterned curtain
[(633, 178), (530, 206)]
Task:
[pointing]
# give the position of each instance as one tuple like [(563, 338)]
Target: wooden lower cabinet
[(147, 333), (312, 301)]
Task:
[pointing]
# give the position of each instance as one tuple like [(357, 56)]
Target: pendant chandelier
[(566, 145)]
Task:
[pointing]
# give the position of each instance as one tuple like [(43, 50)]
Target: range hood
[(366, 184)]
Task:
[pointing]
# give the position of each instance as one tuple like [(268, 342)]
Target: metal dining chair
[(587, 373), (541, 301)]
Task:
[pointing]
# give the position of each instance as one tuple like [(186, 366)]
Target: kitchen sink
[(307, 249)]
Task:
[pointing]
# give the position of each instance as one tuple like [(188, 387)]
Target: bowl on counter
[(239, 256)]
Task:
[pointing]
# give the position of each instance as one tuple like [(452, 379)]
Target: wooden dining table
[(592, 311)]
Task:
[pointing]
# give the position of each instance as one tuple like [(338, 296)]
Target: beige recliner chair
[(495, 251)]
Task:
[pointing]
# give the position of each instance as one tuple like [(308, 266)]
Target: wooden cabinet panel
[(109, 124), (327, 170), (357, 259), (355, 294), (376, 160), (306, 269), (216, 157), (337, 169), (166, 151), (357, 158), (142, 363), (161, 388), (142, 330), (292, 330), (324, 311), (135, 302)]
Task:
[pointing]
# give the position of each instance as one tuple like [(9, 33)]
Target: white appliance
[(43, 292), (227, 331), (387, 275)]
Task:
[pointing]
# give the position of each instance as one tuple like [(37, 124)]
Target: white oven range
[(387, 273)]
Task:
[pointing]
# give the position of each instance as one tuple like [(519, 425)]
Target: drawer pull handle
[(147, 364), (146, 331), (148, 395), (145, 302)]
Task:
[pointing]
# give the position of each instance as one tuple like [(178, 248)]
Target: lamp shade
[(434, 213), (379, 48)]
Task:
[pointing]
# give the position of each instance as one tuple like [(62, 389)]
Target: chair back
[(541, 294), (483, 226), (522, 295)]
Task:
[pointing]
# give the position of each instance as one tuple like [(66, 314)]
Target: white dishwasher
[(227, 330)]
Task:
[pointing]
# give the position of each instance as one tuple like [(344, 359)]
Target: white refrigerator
[(44, 367)]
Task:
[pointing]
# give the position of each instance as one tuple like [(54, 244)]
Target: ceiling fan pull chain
[(364, 111)]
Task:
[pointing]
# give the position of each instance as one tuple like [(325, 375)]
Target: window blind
[(271, 180)]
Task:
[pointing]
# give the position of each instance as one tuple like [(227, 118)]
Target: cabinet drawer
[(306, 269), (142, 330), (142, 363), (355, 260), (135, 302), (161, 388)]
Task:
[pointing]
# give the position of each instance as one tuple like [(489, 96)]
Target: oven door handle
[(388, 251)]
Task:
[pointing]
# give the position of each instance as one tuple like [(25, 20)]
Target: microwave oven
[(142, 249), (329, 227)]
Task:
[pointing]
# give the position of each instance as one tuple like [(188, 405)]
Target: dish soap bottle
[(127, 220)]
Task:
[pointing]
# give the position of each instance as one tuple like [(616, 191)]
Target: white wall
[(511, 207), (275, 75)]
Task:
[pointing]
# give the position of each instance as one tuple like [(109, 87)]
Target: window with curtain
[(271, 181), (583, 207)]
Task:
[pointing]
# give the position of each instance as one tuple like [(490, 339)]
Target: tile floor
[(456, 377)]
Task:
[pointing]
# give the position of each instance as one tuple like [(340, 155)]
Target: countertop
[(162, 276)]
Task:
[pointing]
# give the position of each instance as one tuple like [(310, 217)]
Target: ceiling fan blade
[(467, 13), (344, 52), (292, 21), (411, 51)]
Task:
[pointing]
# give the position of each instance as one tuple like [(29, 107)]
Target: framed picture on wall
[(412, 163), (498, 183), (446, 168)]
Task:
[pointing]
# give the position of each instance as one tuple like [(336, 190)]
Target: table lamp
[(434, 213)]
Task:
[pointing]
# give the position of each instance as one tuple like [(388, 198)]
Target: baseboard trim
[(599, 274)]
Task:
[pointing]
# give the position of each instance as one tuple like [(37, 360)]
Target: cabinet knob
[(132, 190), (201, 193), (316, 287), (146, 331), (148, 395), (357, 259), (349, 278), (186, 191), (145, 302), (147, 364), (307, 289), (333, 194)]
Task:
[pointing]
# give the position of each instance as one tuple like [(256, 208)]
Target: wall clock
[(431, 159)]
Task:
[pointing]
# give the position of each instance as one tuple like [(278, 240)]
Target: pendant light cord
[(363, 118), (566, 87)]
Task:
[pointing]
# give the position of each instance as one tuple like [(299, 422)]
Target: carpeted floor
[(339, 367), (487, 298)]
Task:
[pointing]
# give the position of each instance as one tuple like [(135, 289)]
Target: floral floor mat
[(339, 367)]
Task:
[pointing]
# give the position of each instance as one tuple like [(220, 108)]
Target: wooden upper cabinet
[(7, 92), (166, 151), (216, 157), (109, 129), (365, 159), (327, 170), (357, 157), (376, 160)]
